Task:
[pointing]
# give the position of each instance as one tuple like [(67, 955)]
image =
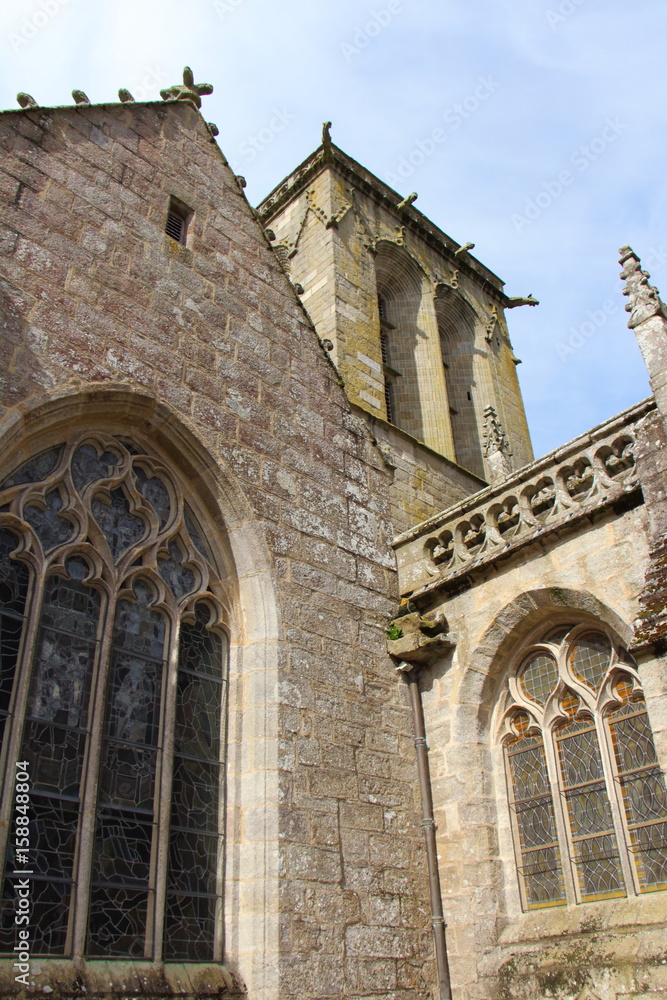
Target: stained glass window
[(587, 795), (533, 807), (643, 790), (114, 695)]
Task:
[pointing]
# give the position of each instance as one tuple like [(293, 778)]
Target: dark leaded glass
[(532, 803), (194, 856), (644, 792), (50, 527), (14, 579), (55, 757), (180, 579), (89, 467), (138, 629), (35, 469), (126, 818), (53, 745), (190, 927), (123, 848), (200, 649), (198, 717), (49, 914), (121, 528), (194, 802), (65, 653), (156, 493), (596, 854), (117, 922)]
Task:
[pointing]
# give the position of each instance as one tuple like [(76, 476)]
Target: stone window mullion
[(163, 785)]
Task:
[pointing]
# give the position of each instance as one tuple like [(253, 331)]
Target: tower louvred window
[(113, 682), (178, 219), (587, 796)]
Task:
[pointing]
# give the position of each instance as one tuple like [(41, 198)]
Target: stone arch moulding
[(255, 630), (485, 671)]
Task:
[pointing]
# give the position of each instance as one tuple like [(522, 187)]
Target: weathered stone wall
[(205, 352), (422, 483), (592, 570)]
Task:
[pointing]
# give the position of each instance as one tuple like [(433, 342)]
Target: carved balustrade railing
[(589, 472)]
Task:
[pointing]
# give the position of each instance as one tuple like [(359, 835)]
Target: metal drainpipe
[(428, 823)]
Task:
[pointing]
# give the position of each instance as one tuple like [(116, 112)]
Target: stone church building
[(314, 683)]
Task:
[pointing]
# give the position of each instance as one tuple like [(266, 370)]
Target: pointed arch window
[(113, 677), (587, 795)]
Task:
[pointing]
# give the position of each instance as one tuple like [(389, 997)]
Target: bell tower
[(415, 324)]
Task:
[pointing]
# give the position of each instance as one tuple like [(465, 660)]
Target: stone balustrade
[(577, 479)]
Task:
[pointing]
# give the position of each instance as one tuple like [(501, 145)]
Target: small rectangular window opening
[(178, 219)]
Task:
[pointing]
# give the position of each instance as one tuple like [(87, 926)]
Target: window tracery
[(113, 689), (587, 796)]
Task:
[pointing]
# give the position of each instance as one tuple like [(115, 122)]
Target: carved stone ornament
[(644, 300), (423, 639), (26, 100), (188, 90), (591, 472), (518, 300), (497, 449)]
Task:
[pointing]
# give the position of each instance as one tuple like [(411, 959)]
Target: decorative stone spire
[(648, 320), (644, 300), (497, 451), (188, 91)]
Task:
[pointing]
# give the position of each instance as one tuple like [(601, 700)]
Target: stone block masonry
[(203, 350)]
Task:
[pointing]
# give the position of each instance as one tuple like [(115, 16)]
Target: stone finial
[(464, 249), (80, 97), (125, 96), (644, 300), (518, 300), (26, 100), (326, 135), (188, 90), (407, 201), (497, 449)]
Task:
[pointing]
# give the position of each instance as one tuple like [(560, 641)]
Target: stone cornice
[(409, 216)]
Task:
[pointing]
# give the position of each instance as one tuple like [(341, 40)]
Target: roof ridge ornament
[(26, 100), (644, 299), (80, 97), (187, 91)]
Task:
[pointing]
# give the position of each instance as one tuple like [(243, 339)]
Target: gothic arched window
[(587, 795), (113, 681)]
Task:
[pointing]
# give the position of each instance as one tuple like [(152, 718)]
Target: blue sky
[(550, 151)]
